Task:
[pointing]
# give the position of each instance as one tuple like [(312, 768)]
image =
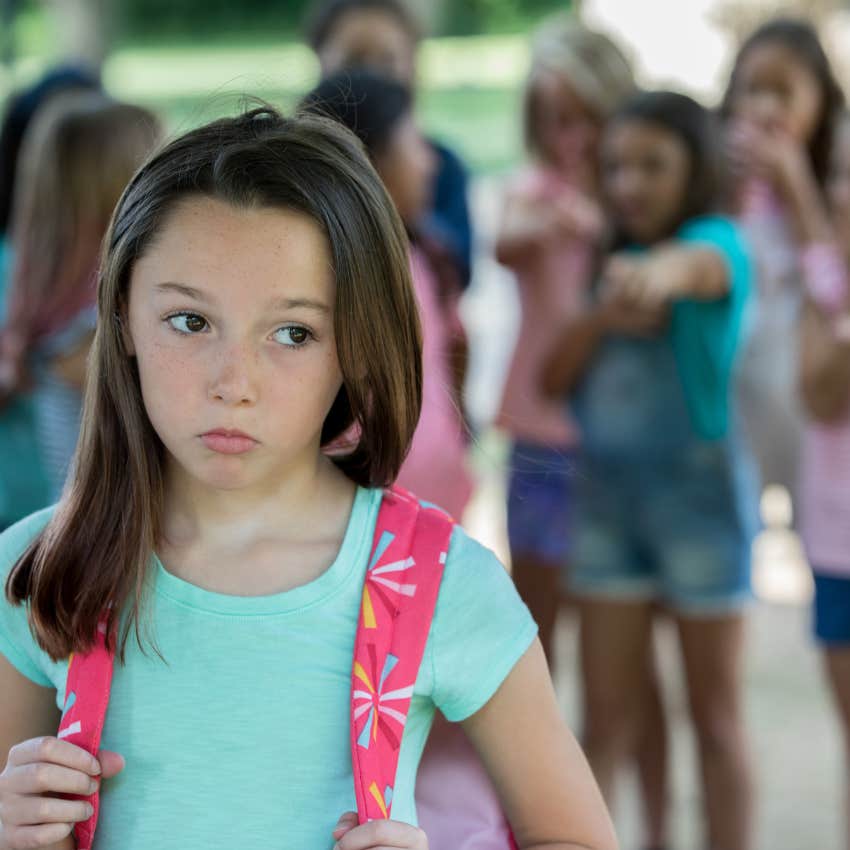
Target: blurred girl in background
[(23, 487), (77, 157), (384, 35), (664, 515), (550, 230), (825, 474), (781, 108)]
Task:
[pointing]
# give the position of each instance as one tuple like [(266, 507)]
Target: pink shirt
[(436, 468), (825, 473), (551, 288)]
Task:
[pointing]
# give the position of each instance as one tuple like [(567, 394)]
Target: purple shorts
[(540, 502)]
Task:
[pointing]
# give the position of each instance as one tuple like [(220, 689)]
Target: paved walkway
[(796, 744)]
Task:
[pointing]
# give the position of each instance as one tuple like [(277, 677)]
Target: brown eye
[(188, 323), (292, 336)]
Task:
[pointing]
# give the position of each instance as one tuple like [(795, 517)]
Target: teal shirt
[(240, 738), (707, 335), (23, 485)]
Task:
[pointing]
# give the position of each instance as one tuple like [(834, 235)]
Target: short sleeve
[(707, 335), (17, 643), (481, 629)]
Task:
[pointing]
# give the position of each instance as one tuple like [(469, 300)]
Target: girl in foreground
[(254, 303)]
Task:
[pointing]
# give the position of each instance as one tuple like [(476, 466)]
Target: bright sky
[(673, 43)]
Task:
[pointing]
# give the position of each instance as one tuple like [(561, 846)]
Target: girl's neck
[(198, 515)]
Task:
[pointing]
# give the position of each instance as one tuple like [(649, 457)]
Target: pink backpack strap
[(86, 699), (409, 552)]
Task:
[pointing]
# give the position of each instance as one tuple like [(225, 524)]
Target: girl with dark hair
[(780, 108), (254, 303), (384, 35), (664, 516), (825, 470)]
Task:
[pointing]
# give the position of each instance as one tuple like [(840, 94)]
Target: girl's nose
[(234, 376)]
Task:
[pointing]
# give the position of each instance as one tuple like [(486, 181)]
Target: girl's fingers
[(346, 822), (110, 763), (42, 777), (383, 835), (54, 751), (43, 835), (31, 811)]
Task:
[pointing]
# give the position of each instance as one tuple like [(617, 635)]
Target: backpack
[(400, 591)]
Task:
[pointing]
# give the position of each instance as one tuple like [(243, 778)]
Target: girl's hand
[(31, 815), (771, 156), (642, 282), (377, 835)]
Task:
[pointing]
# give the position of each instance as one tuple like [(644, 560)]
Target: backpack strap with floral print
[(399, 596)]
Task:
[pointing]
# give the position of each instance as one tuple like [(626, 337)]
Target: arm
[(531, 221), (576, 346), (580, 338), (527, 224), (668, 273), (38, 767), (29, 711), (545, 784)]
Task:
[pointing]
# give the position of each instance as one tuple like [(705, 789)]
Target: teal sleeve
[(17, 643), (706, 335), (481, 629)]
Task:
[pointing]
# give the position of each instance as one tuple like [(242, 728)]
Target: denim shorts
[(674, 533), (832, 610), (540, 502)]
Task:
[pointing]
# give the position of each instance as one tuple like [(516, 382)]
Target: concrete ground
[(795, 738)]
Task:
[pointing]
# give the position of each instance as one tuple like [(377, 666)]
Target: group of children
[(666, 257), (219, 399)]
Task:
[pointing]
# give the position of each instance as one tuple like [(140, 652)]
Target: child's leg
[(712, 651), (837, 663), (614, 651), (652, 761)]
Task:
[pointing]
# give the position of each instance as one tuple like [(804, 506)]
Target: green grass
[(468, 95)]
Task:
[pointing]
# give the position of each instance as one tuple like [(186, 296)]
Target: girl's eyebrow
[(277, 304)]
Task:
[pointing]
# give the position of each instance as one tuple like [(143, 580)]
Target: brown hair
[(78, 155), (94, 555), (801, 39)]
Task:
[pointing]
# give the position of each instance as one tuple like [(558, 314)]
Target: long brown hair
[(801, 38), (77, 157), (94, 556)]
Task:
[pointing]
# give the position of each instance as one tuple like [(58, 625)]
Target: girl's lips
[(228, 442)]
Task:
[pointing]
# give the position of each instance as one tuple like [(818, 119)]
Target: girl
[(23, 487), (550, 227), (77, 157), (781, 107), (379, 110), (384, 35), (825, 476), (661, 517), (549, 234), (254, 302)]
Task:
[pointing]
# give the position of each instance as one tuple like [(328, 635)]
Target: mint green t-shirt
[(240, 737)]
